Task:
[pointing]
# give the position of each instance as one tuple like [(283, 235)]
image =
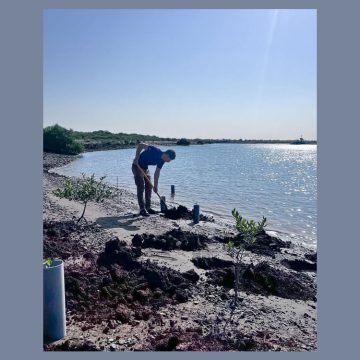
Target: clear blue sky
[(182, 73)]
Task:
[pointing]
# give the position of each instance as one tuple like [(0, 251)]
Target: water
[(277, 181)]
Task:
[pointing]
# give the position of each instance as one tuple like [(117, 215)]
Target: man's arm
[(139, 148), (156, 179)]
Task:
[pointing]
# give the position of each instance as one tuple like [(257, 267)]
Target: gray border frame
[(21, 180)]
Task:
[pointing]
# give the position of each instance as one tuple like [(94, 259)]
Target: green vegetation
[(183, 141), (84, 190), (248, 230), (48, 263), (125, 139), (60, 140)]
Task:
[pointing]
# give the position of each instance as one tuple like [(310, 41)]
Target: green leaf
[(49, 262)]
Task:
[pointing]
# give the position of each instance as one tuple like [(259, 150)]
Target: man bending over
[(148, 155)]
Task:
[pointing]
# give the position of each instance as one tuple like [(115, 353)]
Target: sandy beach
[(155, 283)]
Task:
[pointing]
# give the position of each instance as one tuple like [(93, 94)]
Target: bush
[(84, 190), (183, 142), (61, 141)]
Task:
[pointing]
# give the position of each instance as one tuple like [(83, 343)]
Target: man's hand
[(155, 188)]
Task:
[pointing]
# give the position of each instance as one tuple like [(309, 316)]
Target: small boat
[(298, 141)]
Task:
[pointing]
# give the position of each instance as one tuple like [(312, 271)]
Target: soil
[(182, 212), (159, 284)]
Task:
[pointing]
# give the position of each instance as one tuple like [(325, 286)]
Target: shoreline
[(284, 234), (264, 322)]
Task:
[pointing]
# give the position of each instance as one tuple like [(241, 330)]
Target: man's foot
[(151, 211), (143, 212)]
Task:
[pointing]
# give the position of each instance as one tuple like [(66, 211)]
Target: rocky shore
[(162, 283)]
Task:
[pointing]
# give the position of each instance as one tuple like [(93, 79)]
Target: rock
[(137, 240), (311, 256), (122, 314), (141, 295), (168, 345), (211, 263), (191, 275), (181, 296), (113, 244), (299, 265), (113, 347)]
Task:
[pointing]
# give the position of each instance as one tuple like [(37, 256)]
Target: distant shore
[(100, 145)]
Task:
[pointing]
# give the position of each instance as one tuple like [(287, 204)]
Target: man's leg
[(148, 191), (139, 181)]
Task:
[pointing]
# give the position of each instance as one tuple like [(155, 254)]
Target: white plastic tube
[(54, 301)]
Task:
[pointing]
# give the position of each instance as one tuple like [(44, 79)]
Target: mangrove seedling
[(85, 189), (247, 232), (48, 262)]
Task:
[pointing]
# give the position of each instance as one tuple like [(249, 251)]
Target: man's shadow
[(124, 222)]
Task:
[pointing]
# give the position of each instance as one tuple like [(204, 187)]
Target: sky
[(208, 73)]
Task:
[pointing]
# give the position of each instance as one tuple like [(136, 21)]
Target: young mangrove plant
[(247, 232), (85, 189), (48, 263)]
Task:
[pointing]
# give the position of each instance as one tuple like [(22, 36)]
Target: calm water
[(277, 181)]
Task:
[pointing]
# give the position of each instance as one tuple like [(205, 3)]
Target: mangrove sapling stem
[(82, 215), (237, 270)]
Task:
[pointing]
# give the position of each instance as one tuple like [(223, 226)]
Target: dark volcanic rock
[(223, 277), (172, 240), (264, 245), (211, 263), (114, 244), (137, 240), (311, 256), (182, 212), (116, 253), (168, 344), (299, 265), (191, 275), (267, 245), (118, 284), (266, 280)]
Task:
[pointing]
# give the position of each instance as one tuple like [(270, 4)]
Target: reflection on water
[(278, 181)]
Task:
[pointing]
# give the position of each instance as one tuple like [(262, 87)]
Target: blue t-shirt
[(151, 156)]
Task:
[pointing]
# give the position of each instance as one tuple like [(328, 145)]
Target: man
[(148, 155)]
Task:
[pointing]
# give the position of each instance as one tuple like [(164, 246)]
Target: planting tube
[(54, 315), (196, 214), (163, 204)]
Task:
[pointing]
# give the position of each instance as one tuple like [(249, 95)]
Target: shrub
[(61, 141), (84, 190), (183, 142)]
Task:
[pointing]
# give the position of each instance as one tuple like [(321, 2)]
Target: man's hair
[(171, 154)]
